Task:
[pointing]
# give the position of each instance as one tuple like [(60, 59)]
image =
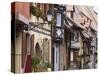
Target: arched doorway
[(38, 52)]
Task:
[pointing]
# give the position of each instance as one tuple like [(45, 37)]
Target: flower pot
[(48, 69), (32, 70)]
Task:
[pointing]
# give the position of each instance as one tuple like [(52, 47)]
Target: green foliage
[(36, 11), (39, 13), (48, 65), (53, 21), (35, 62)]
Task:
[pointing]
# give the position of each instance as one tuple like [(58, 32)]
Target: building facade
[(67, 42)]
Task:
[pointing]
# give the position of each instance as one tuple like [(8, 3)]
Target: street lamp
[(49, 15), (58, 27), (57, 32)]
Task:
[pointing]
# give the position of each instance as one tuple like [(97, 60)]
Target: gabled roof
[(94, 18), (74, 22), (92, 14), (84, 11), (89, 12)]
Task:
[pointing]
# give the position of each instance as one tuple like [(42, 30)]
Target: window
[(32, 45), (45, 8), (75, 55), (75, 36), (71, 56), (38, 5), (58, 19)]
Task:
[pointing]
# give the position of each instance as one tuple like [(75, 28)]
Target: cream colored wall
[(18, 52), (50, 50), (33, 18), (38, 37)]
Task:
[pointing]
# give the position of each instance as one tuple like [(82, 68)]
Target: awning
[(22, 18), (84, 11), (93, 26), (75, 23), (87, 34), (68, 27), (75, 45)]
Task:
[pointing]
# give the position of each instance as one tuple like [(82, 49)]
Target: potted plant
[(49, 66), (35, 63), (36, 11)]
